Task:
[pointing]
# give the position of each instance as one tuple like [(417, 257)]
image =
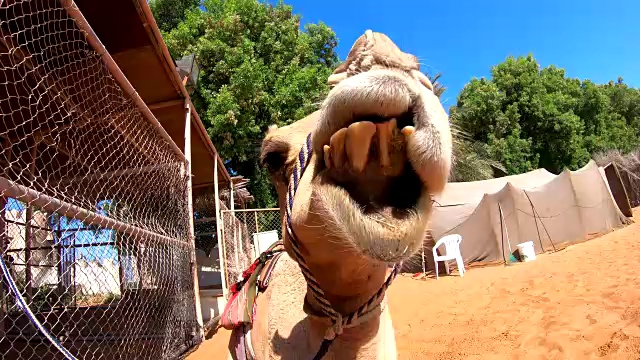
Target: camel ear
[(336, 78)]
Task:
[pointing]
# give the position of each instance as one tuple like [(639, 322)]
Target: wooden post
[(57, 237), (57, 240), (120, 263), (232, 202), (139, 259), (192, 238), (219, 224), (27, 228)]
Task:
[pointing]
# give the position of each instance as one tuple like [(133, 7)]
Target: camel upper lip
[(378, 94)]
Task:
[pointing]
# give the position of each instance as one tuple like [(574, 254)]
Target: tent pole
[(535, 220), (535, 212), (502, 234)]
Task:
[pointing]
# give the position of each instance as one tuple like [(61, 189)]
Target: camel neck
[(313, 309), (355, 341)]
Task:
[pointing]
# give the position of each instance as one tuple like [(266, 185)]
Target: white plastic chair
[(452, 247)]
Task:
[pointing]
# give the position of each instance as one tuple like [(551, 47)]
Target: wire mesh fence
[(246, 233), (94, 215), (204, 212)]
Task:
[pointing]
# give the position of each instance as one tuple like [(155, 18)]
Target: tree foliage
[(257, 68), (169, 13), (471, 160), (530, 117)]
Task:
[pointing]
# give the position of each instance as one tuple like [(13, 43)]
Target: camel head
[(381, 148)]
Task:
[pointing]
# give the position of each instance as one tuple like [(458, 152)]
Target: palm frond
[(471, 159)]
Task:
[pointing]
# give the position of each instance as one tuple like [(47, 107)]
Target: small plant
[(111, 297)]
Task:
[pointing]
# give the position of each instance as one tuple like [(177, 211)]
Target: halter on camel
[(339, 322), (240, 309)]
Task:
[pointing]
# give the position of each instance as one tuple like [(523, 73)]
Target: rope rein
[(339, 322)]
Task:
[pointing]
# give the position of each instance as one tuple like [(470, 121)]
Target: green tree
[(531, 117), (257, 68), (169, 13)]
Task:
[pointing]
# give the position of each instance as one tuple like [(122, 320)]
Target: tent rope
[(535, 212)]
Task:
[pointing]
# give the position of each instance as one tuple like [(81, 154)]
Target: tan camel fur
[(381, 150)]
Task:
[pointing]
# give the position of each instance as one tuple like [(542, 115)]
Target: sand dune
[(579, 303)]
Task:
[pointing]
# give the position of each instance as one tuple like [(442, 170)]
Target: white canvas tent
[(550, 210)]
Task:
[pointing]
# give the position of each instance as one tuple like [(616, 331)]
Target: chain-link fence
[(245, 234), (94, 215), (204, 212)]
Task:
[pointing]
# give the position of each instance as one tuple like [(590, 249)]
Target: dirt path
[(579, 303)]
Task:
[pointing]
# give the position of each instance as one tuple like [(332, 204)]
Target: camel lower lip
[(391, 257), (384, 233)]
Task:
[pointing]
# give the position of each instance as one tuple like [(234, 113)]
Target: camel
[(355, 182)]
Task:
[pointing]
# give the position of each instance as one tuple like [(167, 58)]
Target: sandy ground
[(579, 303)]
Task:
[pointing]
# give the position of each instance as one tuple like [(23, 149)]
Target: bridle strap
[(339, 321)]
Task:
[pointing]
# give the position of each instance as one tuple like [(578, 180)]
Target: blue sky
[(598, 40)]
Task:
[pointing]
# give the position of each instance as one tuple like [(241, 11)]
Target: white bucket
[(527, 251)]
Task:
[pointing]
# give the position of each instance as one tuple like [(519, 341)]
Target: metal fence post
[(219, 225), (192, 238)]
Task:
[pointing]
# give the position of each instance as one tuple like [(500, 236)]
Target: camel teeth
[(358, 142), (337, 147), (327, 156), (385, 133), (407, 131), (392, 127)]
